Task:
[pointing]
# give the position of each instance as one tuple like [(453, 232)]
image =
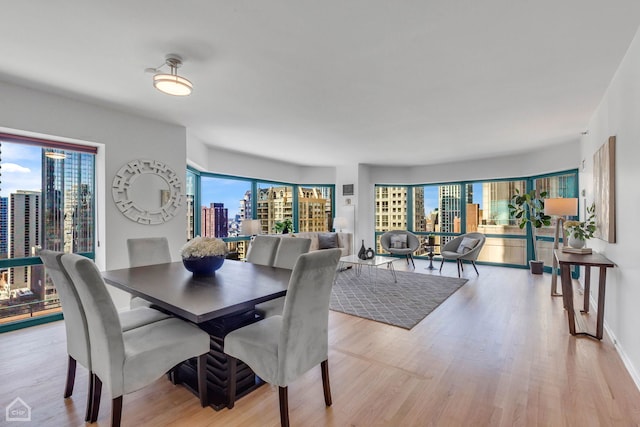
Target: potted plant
[(204, 255), (528, 208), (285, 226), (580, 231)]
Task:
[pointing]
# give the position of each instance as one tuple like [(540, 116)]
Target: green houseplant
[(528, 208), (579, 231), (285, 226)]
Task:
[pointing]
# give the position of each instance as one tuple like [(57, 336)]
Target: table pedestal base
[(217, 364)]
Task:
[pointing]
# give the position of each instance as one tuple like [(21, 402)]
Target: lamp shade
[(250, 227), (561, 206), (339, 222)]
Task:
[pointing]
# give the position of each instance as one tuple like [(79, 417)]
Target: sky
[(21, 167), (227, 191)]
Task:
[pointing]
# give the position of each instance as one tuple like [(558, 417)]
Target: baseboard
[(631, 369)]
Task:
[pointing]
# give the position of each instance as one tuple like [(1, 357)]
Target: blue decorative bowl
[(205, 266)]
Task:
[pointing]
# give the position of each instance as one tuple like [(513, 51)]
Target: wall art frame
[(604, 190)]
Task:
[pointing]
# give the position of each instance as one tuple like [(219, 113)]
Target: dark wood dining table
[(217, 304)]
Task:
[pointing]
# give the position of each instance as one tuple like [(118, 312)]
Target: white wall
[(619, 115), (121, 138)]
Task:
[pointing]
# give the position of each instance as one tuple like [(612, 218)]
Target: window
[(47, 200), (226, 200), (451, 209)]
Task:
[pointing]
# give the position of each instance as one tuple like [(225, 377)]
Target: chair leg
[(284, 406), (202, 379), (97, 391), (458, 263), (231, 376), (325, 382), (71, 376), (410, 256), (474, 267), (116, 411), (92, 378), (441, 264)]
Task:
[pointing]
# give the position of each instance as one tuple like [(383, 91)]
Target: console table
[(566, 260)]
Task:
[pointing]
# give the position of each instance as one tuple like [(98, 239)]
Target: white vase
[(575, 242)]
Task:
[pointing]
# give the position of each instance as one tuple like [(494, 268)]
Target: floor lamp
[(560, 207)]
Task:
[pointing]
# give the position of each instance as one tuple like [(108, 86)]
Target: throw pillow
[(327, 240), (466, 245), (398, 241)]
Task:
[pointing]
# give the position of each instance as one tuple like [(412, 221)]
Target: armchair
[(466, 247), (400, 242)]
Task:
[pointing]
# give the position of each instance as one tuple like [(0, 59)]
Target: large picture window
[(450, 209), (225, 201), (47, 200)]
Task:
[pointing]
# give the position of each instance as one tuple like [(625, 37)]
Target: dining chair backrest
[(103, 323), (305, 317), (262, 250), (148, 251), (289, 249), (75, 322)]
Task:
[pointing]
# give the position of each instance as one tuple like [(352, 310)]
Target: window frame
[(35, 261), (529, 184)]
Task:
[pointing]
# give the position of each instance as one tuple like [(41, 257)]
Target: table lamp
[(250, 227), (560, 207), (339, 222)]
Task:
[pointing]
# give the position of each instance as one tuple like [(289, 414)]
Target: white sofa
[(345, 240)]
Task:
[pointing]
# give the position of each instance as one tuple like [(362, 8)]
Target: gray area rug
[(402, 304)]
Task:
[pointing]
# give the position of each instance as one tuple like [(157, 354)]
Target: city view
[(46, 201)]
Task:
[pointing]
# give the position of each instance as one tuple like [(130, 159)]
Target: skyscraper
[(25, 230), (4, 227), (214, 220), (68, 215)]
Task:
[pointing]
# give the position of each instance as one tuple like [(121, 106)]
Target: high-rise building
[(419, 214), (496, 197), (214, 220), (312, 210), (274, 204), (68, 216), (4, 227), (391, 208), (25, 231)]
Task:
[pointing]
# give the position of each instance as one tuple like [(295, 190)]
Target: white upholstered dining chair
[(289, 249), (75, 322), (262, 250), (281, 348), (128, 361), (147, 251)]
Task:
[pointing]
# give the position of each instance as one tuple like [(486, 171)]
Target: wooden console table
[(566, 260)]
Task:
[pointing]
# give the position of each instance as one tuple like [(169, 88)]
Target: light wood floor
[(496, 353)]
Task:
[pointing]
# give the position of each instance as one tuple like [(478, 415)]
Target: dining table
[(217, 304)]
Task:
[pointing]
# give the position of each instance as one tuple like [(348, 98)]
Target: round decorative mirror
[(147, 191)]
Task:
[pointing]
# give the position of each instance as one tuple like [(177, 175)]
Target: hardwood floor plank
[(496, 353)]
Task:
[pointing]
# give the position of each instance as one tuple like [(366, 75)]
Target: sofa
[(344, 240)]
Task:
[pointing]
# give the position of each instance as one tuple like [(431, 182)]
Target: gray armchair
[(400, 242), (128, 361), (281, 348), (463, 248)]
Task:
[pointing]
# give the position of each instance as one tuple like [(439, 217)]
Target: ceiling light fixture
[(172, 83)]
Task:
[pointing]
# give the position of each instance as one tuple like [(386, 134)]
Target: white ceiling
[(335, 81)]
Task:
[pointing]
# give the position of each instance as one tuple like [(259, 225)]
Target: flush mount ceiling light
[(172, 83)]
